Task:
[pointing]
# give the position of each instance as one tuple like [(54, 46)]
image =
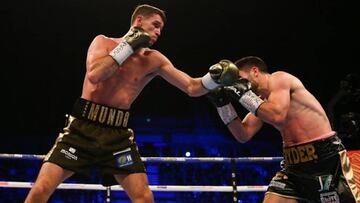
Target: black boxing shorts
[(96, 136), (316, 172)]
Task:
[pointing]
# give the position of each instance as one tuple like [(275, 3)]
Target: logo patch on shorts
[(325, 182), (69, 153), (124, 158), (329, 197)]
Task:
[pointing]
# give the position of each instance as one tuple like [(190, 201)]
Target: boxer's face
[(152, 25), (250, 74)]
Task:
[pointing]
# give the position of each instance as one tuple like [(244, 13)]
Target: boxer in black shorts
[(117, 69), (316, 166), (318, 171), (97, 136)]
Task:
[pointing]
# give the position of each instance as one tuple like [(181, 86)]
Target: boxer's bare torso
[(119, 86), (288, 106), (305, 119)]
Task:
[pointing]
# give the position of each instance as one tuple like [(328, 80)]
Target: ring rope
[(158, 188), (166, 159)]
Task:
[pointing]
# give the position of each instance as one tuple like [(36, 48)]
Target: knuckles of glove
[(230, 73), (137, 37), (225, 72), (216, 71), (241, 86)]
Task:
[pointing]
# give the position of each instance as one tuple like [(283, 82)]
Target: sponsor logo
[(325, 182), (329, 197), (69, 154), (124, 158)]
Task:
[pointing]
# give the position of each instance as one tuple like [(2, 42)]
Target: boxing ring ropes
[(234, 188)]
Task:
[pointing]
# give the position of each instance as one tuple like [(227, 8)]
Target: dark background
[(44, 45)]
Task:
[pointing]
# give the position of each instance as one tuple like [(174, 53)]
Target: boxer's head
[(150, 18), (250, 67)]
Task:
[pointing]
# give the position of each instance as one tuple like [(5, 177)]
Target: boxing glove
[(222, 103), (136, 38), (223, 73), (241, 91)]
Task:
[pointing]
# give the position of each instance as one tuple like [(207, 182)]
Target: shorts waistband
[(101, 114), (312, 151)]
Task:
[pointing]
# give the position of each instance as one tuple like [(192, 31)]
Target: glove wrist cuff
[(121, 52), (227, 113), (208, 82), (251, 101)]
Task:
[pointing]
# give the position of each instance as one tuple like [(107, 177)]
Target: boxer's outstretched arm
[(191, 86), (197, 86)]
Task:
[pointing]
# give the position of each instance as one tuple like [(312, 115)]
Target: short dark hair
[(249, 61), (146, 11)]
